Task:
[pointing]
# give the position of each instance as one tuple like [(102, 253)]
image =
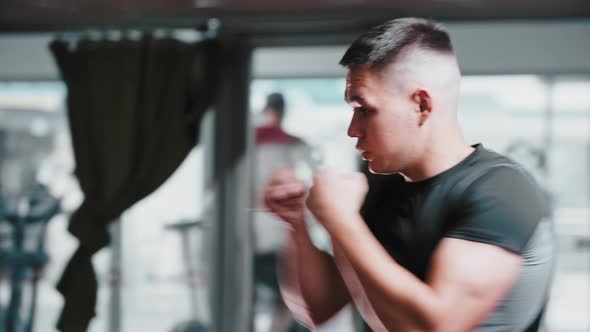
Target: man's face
[(384, 120), (271, 118)]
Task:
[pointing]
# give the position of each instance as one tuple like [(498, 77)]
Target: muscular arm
[(310, 281), (470, 271), (466, 280), (311, 284)]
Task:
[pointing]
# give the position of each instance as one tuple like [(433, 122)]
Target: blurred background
[(181, 253)]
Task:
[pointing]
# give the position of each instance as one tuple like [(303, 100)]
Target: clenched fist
[(336, 195), (284, 196)]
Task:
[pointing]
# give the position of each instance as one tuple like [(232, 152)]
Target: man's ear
[(423, 105)]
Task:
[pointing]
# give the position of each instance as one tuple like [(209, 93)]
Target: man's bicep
[(470, 278)]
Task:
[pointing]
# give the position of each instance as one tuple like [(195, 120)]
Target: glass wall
[(161, 278), (569, 181), (315, 113), (35, 149), (543, 122)]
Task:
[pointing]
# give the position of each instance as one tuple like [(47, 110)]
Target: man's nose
[(354, 129)]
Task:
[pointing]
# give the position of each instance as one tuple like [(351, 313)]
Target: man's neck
[(437, 160)]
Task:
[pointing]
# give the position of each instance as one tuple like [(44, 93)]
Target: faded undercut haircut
[(381, 44)]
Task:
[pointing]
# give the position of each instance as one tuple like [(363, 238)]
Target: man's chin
[(375, 168)]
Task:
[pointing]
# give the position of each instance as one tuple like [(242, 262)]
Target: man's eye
[(362, 110)]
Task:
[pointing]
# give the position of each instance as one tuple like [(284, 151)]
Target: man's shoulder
[(489, 166), (493, 180), (496, 202), (498, 170)]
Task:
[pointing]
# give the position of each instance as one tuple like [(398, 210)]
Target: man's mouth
[(364, 153)]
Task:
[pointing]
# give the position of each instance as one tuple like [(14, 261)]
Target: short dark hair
[(276, 102), (381, 44)]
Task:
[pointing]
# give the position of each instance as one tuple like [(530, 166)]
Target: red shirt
[(273, 135)]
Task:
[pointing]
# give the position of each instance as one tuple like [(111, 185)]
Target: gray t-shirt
[(485, 198)]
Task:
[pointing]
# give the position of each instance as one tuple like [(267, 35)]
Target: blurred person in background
[(274, 149), (443, 236)]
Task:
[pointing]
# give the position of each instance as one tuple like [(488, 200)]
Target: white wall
[(26, 57), (494, 48), (483, 48)]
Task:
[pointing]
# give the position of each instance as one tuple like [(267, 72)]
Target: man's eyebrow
[(356, 98)]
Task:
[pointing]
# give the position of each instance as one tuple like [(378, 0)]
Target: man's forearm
[(401, 300), (310, 283)]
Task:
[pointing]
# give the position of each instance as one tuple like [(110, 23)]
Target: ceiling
[(269, 16)]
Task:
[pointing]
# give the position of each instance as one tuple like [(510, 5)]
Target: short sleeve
[(502, 207)]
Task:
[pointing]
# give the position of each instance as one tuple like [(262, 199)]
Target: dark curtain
[(134, 107)]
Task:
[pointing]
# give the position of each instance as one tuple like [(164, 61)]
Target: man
[(271, 130), (274, 149), (455, 238)]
